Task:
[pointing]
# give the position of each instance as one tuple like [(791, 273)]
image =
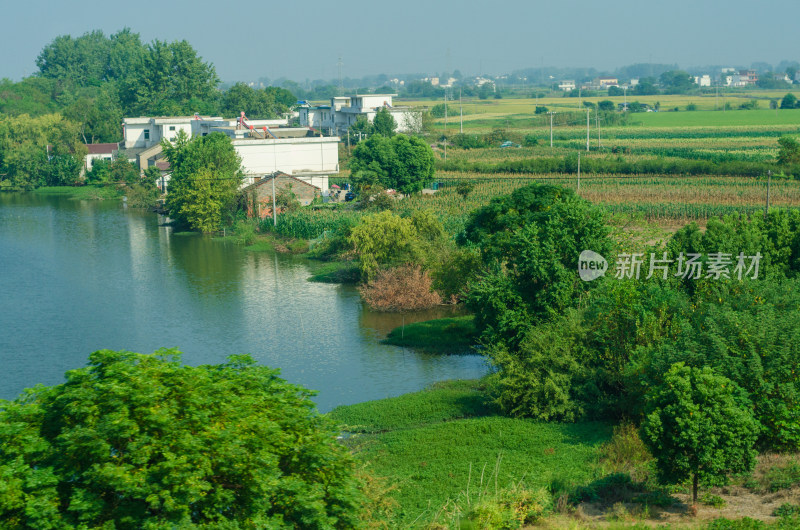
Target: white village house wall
[(295, 152)]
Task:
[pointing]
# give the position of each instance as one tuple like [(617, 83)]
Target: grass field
[(438, 444), (508, 106), (437, 453)]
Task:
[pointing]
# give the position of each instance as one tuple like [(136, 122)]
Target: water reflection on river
[(77, 276)]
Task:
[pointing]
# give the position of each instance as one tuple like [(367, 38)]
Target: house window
[(147, 134), (171, 127)]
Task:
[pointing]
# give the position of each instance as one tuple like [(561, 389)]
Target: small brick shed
[(259, 194)]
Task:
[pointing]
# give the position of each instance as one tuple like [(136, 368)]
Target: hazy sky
[(303, 40)]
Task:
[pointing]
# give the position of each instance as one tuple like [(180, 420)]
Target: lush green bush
[(468, 141), (438, 110), (143, 441), (748, 333)]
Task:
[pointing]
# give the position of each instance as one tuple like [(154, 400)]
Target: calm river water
[(78, 276)]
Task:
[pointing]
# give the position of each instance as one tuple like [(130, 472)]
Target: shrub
[(537, 378), (142, 195), (383, 239), (404, 288)]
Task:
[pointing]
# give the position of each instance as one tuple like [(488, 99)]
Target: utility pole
[(445, 125), (597, 122), (551, 113), (341, 84), (588, 113), (274, 212), (461, 110), (625, 95), (445, 111), (769, 179), (579, 174)]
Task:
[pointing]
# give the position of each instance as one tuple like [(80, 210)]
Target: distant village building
[(265, 146), (606, 82), (343, 112), (259, 194), (703, 80), (744, 78), (567, 85), (99, 152)]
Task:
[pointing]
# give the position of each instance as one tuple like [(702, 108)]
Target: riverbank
[(88, 192), (444, 458), (445, 449), (455, 335)]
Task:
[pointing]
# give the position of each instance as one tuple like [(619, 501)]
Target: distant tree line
[(95, 80), (86, 85)]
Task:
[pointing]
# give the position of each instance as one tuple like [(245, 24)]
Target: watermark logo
[(591, 265), (714, 265)]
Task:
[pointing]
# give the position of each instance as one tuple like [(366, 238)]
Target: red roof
[(163, 165), (102, 149)]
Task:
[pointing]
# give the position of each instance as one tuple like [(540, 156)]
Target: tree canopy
[(696, 429), (384, 123), (206, 176), (676, 81), (530, 242), (40, 151), (401, 162), (142, 441)]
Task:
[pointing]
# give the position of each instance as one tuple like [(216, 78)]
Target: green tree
[(384, 123), (438, 110), (256, 104), (696, 429), (676, 81), (606, 105), (39, 151), (788, 150), (143, 441), (402, 162), (530, 241), (281, 96), (646, 87), (789, 101), (384, 239), (205, 182)]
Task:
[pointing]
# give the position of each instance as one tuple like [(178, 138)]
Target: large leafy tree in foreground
[(142, 441), (206, 176)]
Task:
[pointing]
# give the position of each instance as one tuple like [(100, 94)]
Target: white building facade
[(343, 112), (265, 146)]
